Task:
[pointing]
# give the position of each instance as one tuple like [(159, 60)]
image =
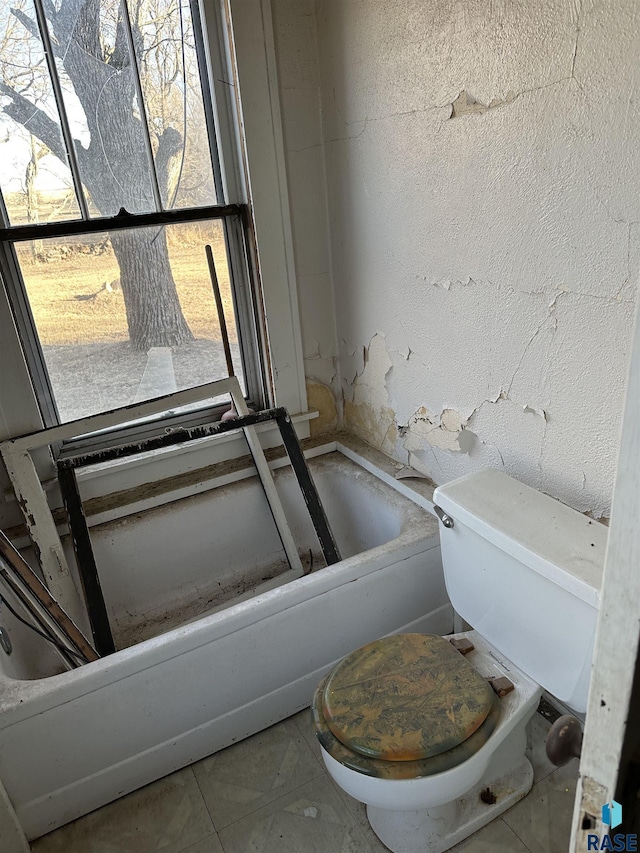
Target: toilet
[(430, 732)]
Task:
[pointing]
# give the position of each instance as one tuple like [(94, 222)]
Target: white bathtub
[(74, 741)]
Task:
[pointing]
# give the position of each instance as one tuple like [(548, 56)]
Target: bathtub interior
[(180, 561), (31, 657)]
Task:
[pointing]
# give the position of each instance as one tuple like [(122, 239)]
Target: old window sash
[(240, 46), (234, 217)]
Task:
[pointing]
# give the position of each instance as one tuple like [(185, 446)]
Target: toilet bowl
[(410, 727)]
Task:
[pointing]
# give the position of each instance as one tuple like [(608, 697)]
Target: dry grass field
[(82, 325), (69, 306)]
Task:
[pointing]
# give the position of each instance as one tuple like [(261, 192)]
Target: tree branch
[(34, 120), (26, 22), (49, 9), (120, 56), (32, 27), (87, 30), (76, 28), (66, 17), (169, 145)]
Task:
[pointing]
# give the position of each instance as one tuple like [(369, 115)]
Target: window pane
[(112, 326), (127, 151), (34, 173), (170, 78), (98, 79)]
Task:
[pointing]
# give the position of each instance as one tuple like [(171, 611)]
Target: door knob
[(564, 740)]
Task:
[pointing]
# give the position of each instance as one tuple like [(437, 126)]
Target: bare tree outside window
[(98, 56), (103, 114)]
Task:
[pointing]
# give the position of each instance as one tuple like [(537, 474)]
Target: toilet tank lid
[(549, 537)]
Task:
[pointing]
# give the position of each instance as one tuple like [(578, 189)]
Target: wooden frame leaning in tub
[(16, 454)]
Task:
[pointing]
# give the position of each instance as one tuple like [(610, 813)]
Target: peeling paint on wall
[(483, 432), (466, 104), (502, 249), (405, 353), (602, 519), (320, 397), (366, 399), (441, 431), (376, 426), (535, 410), (371, 412), (320, 366), (352, 361), (447, 283)]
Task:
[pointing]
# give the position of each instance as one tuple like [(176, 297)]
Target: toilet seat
[(405, 698), (404, 707)]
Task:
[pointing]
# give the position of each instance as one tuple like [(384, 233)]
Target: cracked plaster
[(465, 104), (502, 429), (366, 401), (369, 413), (498, 254), (502, 249)]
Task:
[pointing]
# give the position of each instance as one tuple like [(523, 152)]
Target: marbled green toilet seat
[(405, 769), (377, 699)]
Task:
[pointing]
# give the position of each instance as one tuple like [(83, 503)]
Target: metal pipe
[(220, 309)]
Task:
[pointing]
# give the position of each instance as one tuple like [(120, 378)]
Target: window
[(113, 182)]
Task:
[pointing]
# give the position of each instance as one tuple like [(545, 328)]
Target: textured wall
[(295, 37), (482, 161)]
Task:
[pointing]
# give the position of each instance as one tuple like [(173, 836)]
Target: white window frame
[(244, 31), (265, 173)]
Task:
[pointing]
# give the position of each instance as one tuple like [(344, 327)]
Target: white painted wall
[(484, 264), (295, 37)]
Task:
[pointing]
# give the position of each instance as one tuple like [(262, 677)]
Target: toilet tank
[(525, 571)]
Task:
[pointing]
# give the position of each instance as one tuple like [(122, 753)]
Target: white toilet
[(408, 724)]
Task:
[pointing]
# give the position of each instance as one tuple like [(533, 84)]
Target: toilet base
[(439, 828)]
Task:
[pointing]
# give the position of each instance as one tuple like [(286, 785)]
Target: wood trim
[(39, 591), (616, 644)]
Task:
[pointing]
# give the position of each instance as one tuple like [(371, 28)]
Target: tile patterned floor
[(270, 794)]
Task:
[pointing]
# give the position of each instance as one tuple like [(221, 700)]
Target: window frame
[(233, 217), (241, 64), (235, 222)]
